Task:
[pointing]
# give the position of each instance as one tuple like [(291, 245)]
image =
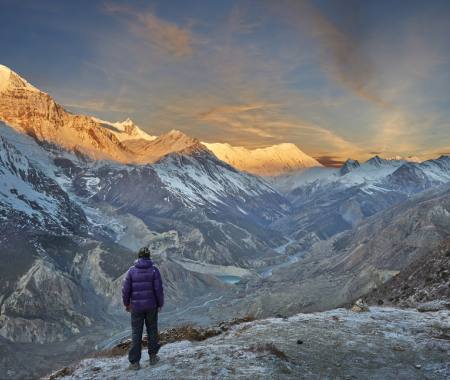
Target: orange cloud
[(268, 121)]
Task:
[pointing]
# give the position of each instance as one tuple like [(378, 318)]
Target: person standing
[(143, 297)]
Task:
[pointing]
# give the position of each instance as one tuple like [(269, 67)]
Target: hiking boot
[(154, 359), (134, 366)]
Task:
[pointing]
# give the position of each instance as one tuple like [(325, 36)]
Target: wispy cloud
[(342, 55), (244, 117), (267, 120), (238, 22), (162, 34), (98, 105)]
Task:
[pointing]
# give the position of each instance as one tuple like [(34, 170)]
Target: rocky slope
[(426, 279), (61, 269), (385, 343), (219, 215), (350, 264)]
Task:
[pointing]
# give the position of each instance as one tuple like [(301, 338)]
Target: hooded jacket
[(142, 287)]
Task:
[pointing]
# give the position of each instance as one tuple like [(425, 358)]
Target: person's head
[(144, 253)]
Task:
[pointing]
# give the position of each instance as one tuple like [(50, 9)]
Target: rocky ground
[(384, 343)]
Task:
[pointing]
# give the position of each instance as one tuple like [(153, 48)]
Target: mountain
[(352, 263), (29, 198), (35, 113), (326, 202), (146, 151), (271, 161), (348, 166), (125, 130), (79, 196), (222, 216)]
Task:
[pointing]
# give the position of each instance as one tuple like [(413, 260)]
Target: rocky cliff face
[(35, 113)]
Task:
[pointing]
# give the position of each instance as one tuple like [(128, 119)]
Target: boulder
[(360, 306)]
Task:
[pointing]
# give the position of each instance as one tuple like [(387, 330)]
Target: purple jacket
[(142, 287)]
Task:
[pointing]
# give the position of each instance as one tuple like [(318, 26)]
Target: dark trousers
[(150, 318)]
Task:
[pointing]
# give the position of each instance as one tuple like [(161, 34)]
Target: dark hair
[(144, 252)]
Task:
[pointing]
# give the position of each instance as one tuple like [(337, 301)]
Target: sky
[(342, 78)]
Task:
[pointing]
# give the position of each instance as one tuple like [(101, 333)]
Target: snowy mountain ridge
[(375, 170), (34, 112), (9, 79), (125, 130), (269, 161)]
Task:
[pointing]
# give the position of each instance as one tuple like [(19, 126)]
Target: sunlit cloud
[(97, 105), (268, 121), (164, 35), (330, 77)]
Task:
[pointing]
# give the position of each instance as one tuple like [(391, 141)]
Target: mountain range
[(34, 112), (234, 231)]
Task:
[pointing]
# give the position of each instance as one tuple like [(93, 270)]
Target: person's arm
[(158, 288), (126, 291)]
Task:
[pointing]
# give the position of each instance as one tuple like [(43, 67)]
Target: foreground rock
[(384, 343)]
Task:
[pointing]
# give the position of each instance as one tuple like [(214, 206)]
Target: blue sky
[(338, 78)]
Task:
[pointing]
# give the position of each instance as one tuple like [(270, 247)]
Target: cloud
[(244, 117), (163, 35), (98, 105), (269, 122), (330, 161), (238, 22), (341, 55)]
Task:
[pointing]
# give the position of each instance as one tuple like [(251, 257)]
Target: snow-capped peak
[(177, 137), (173, 141), (270, 161), (10, 79), (125, 130), (377, 161)]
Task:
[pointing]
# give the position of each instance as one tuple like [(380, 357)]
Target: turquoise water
[(229, 279)]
